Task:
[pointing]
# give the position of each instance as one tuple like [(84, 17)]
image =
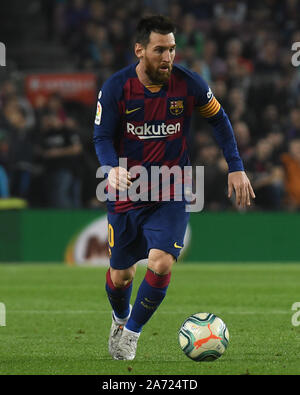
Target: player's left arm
[(211, 109)]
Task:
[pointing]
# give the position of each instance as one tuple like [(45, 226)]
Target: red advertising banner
[(80, 87)]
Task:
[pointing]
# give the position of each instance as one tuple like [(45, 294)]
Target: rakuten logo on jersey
[(153, 131)]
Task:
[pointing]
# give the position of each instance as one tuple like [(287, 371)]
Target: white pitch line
[(58, 312), (268, 312)]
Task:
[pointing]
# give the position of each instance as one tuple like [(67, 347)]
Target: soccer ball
[(203, 337)]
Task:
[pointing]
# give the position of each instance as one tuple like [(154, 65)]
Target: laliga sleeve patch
[(98, 113), (209, 94)]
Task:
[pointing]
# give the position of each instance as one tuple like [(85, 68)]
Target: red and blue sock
[(119, 298), (151, 293)]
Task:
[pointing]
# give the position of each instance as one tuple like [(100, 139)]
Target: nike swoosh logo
[(130, 111), (176, 245)]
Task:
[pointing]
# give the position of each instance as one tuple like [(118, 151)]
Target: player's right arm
[(107, 121)]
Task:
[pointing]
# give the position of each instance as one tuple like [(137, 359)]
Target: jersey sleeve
[(210, 109), (106, 124)]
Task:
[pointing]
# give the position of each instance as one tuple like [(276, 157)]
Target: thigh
[(127, 244), (165, 228)]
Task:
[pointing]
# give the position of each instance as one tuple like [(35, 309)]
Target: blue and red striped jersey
[(152, 128)]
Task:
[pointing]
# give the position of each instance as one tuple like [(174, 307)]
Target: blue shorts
[(132, 234)]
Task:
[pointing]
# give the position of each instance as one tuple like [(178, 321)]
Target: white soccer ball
[(203, 337)]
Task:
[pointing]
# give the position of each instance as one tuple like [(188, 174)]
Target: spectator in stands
[(239, 68), (233, 10), (215, 177), (216, 65), (190, 36), (96, 43), (4, 186), (222, 32), (243, 138), (77, 13), (59, 148), (294, 124), (55, 105), (267, 177), (237, 105), (118, 41), (270, 120), (18, 142), (83, 49), (9, 93), (175, 12), (291, 163), (279, 145), (98, 12), (268, 63)]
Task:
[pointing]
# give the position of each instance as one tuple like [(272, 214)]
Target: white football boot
[(127, 345), (116, 331)]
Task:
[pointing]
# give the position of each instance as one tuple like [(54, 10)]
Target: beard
[(155, 75)]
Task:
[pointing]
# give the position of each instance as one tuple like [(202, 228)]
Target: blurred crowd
[(241, 48)]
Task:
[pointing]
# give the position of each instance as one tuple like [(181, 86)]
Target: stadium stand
[(242, 48)]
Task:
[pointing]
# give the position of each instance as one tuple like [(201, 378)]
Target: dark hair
[(156, 23)]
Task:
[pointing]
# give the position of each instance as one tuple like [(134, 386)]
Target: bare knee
[(121, 278), (160, 261)]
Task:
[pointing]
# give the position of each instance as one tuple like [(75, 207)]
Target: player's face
[(159, 56)]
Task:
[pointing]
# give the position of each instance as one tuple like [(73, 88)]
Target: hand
[(119, 178), (239, 182)]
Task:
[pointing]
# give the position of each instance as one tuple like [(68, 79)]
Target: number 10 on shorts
[(111, 239)]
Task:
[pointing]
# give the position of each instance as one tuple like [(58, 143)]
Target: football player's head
[(155, 47)]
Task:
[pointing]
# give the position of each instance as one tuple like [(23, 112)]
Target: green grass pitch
[(58, 319)]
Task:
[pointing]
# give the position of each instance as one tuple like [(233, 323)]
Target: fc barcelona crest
[(176, 107)]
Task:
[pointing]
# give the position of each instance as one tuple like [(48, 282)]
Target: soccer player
[(143, 115)]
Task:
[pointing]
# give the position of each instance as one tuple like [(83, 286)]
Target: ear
[(139, 50)]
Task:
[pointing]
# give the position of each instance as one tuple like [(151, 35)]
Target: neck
[(142, 75)]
